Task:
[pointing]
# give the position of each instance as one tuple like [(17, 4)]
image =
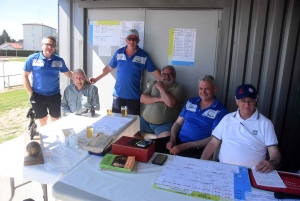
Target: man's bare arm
[(69, 74), (156, 73), (104, 72), (148, 99), (169, 99), (265, 166), (26, 82), (210, 148), (176, 128), (274, 154), (188, 145)]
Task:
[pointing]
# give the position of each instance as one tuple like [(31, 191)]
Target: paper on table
[(271, 179), (203, 177), (111, 124), (259, 196)]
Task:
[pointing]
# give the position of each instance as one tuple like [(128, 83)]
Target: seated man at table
[(192, 130), (245, 135), (80, 94), (164, 100)]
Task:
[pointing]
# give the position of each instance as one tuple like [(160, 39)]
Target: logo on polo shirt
[(36, 62), (121, 57), (57, 64), (211, 113), (138, 59), (254, 132), (190, 106)]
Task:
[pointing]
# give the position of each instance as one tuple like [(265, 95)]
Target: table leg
[(13, 188), (45, 194)]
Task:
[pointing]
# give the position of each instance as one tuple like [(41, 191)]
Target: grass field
[(13, 99), (18, 59), (13, 107)]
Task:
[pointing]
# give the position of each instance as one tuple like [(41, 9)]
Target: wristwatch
[(274, 163)]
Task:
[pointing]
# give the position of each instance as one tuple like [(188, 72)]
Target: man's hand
[(264, 166), (93, 80), (159, 85), (178, 148), (170, 145), (87, 81)]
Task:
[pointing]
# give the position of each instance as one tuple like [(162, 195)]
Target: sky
[(14, 13)]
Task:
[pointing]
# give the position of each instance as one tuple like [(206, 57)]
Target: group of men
[(196, 128)]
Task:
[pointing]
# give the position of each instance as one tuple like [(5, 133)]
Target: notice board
[(158, 25)]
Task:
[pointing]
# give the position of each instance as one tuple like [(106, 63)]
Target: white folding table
[(58, 159)]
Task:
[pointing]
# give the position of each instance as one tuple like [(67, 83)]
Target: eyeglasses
[(167, 74), (250, 102), (50, 45), (133, 39)]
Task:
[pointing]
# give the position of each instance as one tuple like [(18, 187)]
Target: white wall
[(33, 35)]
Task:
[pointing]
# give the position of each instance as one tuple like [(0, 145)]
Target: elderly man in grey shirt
[(80, 94)]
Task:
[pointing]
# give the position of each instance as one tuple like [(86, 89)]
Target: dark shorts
[(147, 127), (160, 146), (133, 106), (42, 104)]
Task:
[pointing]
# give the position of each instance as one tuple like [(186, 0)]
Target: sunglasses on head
[(132, 39)]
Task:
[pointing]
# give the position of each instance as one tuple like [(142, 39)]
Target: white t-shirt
[(244, 142)]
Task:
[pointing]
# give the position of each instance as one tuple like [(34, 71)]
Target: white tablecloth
[(58, 159), (113, 185)]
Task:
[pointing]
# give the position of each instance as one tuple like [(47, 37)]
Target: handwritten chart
[(204, 179), (182, 44), (108, 33)]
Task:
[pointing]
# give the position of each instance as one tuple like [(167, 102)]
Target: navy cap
[(246, 91)]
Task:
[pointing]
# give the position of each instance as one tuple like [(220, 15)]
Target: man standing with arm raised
[(131, 61), (45, 90)]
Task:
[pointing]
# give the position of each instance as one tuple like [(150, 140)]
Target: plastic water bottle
[(73, 140)]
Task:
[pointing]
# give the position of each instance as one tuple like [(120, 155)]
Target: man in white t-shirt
[(245, 135)]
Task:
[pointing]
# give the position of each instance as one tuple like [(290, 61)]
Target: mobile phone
[(159, 159), (143, 143), (139, 143), (133, 142)]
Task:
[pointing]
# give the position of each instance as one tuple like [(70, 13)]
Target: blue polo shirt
[(199, 124), (129, 73), (45, 73)]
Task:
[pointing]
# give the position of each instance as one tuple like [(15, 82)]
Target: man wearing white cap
[(131, 61), (245, 135)]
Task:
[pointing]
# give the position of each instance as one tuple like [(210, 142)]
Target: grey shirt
[(75, 99)]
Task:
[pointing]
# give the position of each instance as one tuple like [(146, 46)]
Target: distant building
[(11, 46), (33, 34)]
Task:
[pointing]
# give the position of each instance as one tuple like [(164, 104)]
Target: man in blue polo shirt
[(131, 61), (192, 130), (45, 90)]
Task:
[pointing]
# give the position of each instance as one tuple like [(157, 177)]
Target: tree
[(1, 40), (5, 37)]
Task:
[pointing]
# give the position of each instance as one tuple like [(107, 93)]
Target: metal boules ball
[(33, 148)]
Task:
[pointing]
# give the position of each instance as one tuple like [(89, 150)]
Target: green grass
[(14, 99), (6, 138), (18, 59)]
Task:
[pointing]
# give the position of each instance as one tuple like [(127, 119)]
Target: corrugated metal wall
[(258, 44), (264, 51)]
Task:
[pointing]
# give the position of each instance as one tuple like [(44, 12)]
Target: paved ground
[(32, 190)]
